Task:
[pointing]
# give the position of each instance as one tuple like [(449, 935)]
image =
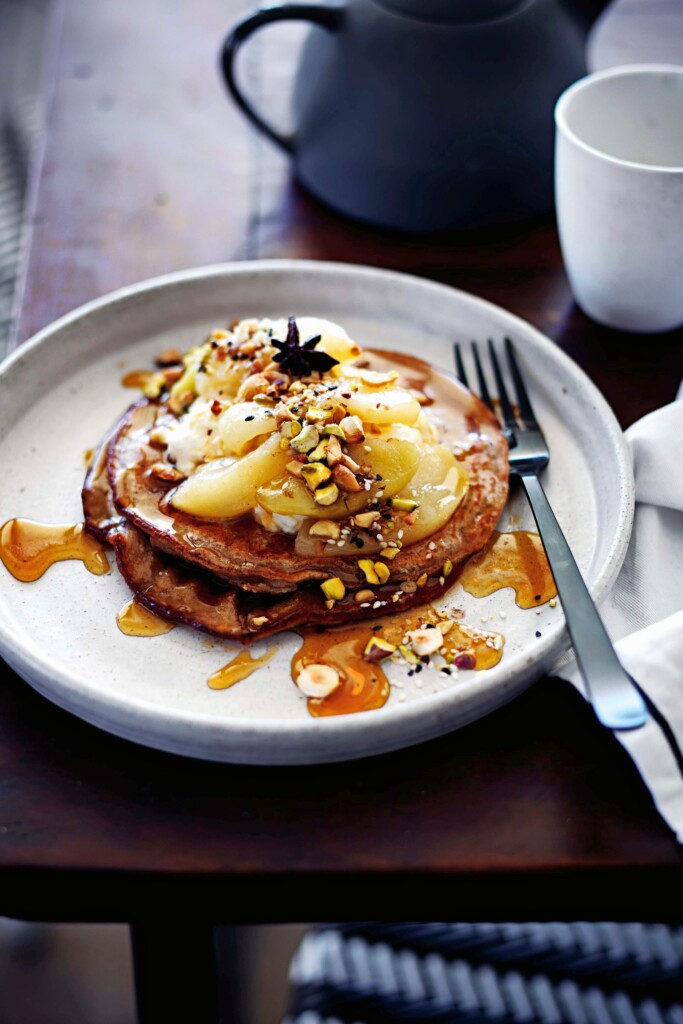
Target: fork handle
[(613, 693)]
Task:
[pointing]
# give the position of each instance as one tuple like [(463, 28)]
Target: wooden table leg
[(175, 970)]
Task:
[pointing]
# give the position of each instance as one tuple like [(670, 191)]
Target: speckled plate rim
[(277, 742)]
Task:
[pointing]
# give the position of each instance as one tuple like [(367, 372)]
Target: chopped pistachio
[(367, 567), (315, 474), (389, 553), (316, 415), (421, 580), (326, 495), (382, 571), (319, 453), (332, 430), (403, 504), (307, 440), (377, 649), (447, 568), (409, 655), (290, 428), (153, 387), (334, 589)]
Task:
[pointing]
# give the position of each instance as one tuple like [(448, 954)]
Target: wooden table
[(534, 812)]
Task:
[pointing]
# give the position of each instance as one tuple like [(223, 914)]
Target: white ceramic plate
[(60, 393)]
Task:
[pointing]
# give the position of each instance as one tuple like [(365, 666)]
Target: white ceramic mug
[(619, 195)]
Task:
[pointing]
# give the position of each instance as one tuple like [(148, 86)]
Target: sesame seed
[(400, 534), (432, 546), (365, 604), (442, 580), (377, 604)]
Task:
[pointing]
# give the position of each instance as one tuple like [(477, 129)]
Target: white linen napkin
[(644, 610)]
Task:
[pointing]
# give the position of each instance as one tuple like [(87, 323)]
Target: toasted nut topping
[(315, 474), (403, 504), (177, 403), (319, 453), (367, 567), (162, 471), (318, 680), (168, 357), (334, 452), (325, 528), (447, 568), (294, 467), (421, 580), (425, 641), (307, 440), (282, 414), (409, 587), (290, 428), (389, 553), (365, 519), (377, 649), (445, 626), (334, 589), (172, 374), (316, 415), (326, 495), (347, 461), (345, 479), (260, 620), (157, 438), (353, 429), (333, 430), (364, 595), (382, 571), (153, 387), (375, 379), (251, 386), (409, 655)]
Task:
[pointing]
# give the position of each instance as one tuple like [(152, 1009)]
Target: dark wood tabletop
[(535, 812)]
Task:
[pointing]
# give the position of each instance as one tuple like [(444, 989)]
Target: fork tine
[(459, 365), (506, 408), (483, 387), (523, 401)]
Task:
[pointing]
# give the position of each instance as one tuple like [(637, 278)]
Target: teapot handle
[(321, 14)]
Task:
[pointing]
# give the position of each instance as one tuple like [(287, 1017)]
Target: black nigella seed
[(538, 632), (247, 418), (418, 668), (445, 669), (375, 628), (538, 597), (378, 477), (320, 629), (411, 673)]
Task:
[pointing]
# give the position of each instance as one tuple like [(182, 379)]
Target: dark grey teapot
[(426, 115)]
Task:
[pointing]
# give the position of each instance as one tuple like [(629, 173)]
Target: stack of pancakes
[(236, 579)]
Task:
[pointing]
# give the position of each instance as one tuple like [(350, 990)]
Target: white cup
[(619, 194)]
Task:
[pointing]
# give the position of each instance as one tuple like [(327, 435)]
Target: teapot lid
[(451, 10)]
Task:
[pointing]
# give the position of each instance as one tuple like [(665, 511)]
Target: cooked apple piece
[(393, 460), (226, 488), (439, 485), (392, 406), (288, 495), (240, 424)]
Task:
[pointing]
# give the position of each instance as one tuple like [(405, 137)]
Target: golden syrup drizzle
[(138, 378), (136, 620), (239, 668), (364, 685), (461, 643), (28, 549), (514, 560)]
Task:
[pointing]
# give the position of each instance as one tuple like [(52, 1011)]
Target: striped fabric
[(553, 973)]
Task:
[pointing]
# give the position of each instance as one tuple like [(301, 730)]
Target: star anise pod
[(301, 360)]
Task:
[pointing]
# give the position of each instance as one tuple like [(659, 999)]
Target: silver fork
[(613, 693)]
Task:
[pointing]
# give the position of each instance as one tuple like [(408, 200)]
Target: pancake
[(249, 556), (259, 573)]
